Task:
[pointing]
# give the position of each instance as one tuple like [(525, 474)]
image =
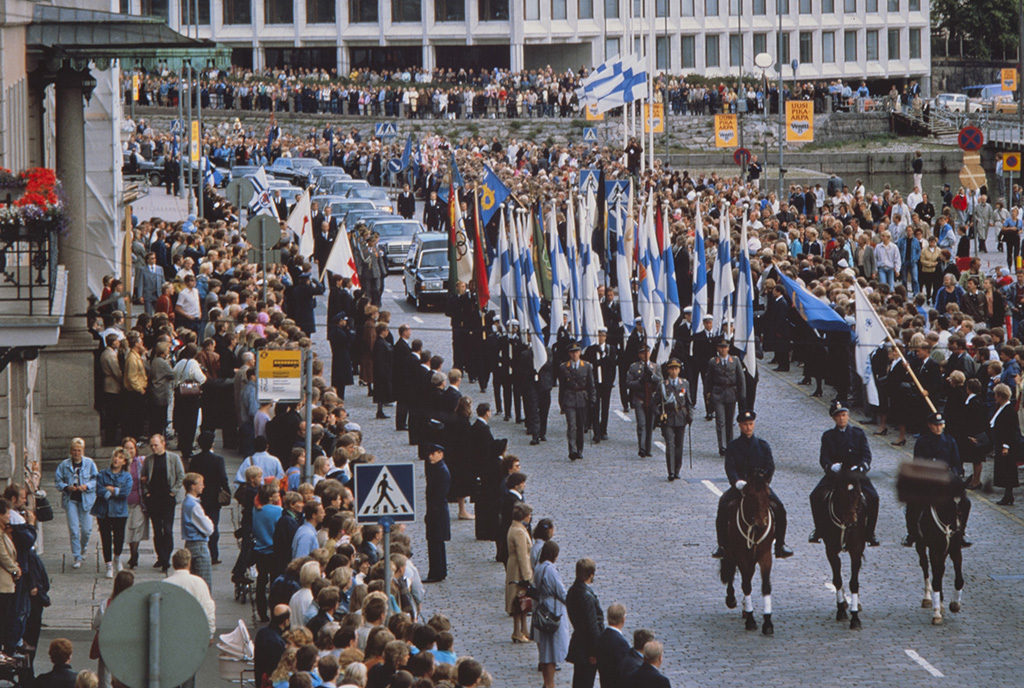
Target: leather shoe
[(432, 580), (1005, 501), (383, 416), (671, 477), (907, 541), (814, 537), (782, 552), (676, 475), (964, 542), (873, 542), (534, 442), (719, 553)]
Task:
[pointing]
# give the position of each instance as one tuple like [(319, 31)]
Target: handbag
[(190, 388), (223, 497), (44, 510), (545, 620), (524, 603), (981, 443)]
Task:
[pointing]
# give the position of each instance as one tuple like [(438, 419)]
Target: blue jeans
[(887, 276), (79, 528), (909, 272)]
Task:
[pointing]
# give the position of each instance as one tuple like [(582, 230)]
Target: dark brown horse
[(845, 531), (751, 532), (940, 534)]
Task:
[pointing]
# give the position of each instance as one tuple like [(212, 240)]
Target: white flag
[(870, 335), (340, 260), (300, 221)]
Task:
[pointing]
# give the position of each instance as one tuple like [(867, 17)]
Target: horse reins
[(747, 530)]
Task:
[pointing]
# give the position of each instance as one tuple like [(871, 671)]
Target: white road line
[(659, 445), (623, 416), (711, 486), (388, 291), (924, 663), (417, 318)]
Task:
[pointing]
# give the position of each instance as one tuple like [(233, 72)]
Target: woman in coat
[(113, 485), (972, 424), (367, 342), (552, 648), (10, 572), (458, 435), (518, 569), (340, 337), (1006, 444), (383, 363)]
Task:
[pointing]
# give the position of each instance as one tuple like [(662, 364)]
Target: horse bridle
[(835, 519), (747, 530), (948, 530)]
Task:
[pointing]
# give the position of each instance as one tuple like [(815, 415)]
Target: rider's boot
[(781, 551)]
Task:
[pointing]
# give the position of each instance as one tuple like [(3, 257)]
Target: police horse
[(940, 535), (750, 535), (845, 530)]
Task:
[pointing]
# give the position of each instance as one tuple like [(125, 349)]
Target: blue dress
[(551, 647)]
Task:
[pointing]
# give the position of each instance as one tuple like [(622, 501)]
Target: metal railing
[(28, 267)]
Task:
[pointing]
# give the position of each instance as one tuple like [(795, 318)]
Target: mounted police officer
[(935, 445), (643, 381), (745, 456), (675, 413), (576, 396), (843, 448)]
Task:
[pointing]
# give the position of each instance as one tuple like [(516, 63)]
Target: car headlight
[(434, 285)]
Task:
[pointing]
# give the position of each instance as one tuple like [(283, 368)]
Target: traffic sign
[(1011, 162), (155, 624), (177, 126), (279, 375), (589, 180), (395, 165), (385, 491), (970, 138), (385, 130), (741, 157), (590, 134), (616, 192)]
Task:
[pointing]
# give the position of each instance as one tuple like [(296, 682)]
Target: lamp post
[(763, 61)]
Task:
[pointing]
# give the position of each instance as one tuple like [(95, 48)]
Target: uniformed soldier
[(524, 375), (544, 382), (629, 356), (682, 351), (935, 445), (576, 396), (745, 456), (703, 351), (727, 385), (604, 356), (676, 413), (506, 357), (643, 381), (843, 448), (486, 351), (461, 310)]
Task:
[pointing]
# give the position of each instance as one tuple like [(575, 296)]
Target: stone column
[(71, 171)]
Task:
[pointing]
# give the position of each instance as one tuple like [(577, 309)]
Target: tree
[(977, 28)]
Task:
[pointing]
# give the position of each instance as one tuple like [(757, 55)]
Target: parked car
[(342, 187), (1004, 104), (379, 197), (955, 102), (425, 275), (396, 237), (316, 173), (294, 170)]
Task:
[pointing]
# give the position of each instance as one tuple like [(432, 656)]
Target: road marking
[(388, 291), (417, 318), (659, 445), (711, 486), (623, 416), (924, 663)]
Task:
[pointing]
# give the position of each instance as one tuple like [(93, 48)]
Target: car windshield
[(437, 258), (394, 229)]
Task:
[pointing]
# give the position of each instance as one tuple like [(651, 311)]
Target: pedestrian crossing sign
[(1011, 162), (385, 491), (590, 134), (385, 130)]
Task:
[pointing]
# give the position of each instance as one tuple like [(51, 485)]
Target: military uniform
[(504, 375), (630, 352), (462, 312), (703, 350), (544, 382), (727, 385), (677, 412), (848, 449), (643, 380), (939, 447), (576, 395), (605, 359), (682, 350)]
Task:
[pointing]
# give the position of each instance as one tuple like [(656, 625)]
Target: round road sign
[(741, 157), (395, 165), (970, 139)]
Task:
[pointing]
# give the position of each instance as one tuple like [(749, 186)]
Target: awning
[(78, 36)]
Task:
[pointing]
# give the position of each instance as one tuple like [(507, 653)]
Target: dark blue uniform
[(848, 447), (744, 457), (436, 519), (939, 447)]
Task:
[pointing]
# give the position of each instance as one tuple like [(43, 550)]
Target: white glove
[(740, 484), (836, 467)]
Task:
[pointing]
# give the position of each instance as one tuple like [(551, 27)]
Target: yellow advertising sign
[(799, 120), (135, 87), (279, 375), (592, 114), (194, 143), (1011, 162), (726, 134), (657, 121), (1008, 78)]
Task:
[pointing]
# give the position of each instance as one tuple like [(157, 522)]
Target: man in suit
[(632, 661), (544, 382), (403, 368), (612, 647), (280, 205), (727, 385), (162, 478), (643, 381), (676, 415), (406, 203), (629, 356), (149, 283), (576, 396), (587, 621), (418, 392), (648, 675), (703, 351), (373, 535), (433, 213), (461, 311), (776, 328), (843, 448), (383, 370), (488, 472), (604, 357), (682, 347), (436, 518), (506, 362)]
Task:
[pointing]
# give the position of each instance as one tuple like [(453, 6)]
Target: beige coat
[(9, 563), (517, 568)]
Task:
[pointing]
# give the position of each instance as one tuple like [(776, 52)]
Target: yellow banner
[(279, 375), (1011, 162), (726, 135), (135, 87), (1008, 77), (194, 145), (592, 114), (657, 121), (799, 120)]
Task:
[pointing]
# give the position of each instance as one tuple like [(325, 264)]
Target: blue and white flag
[(593, 319), (210, 174), (724, 286), (572, 258), (518, 280), (870, 335), (670, 294), (646, 296), (534, 324), (618, 81), (700, 273), (743, 337), (503, 268), (624, 261), (560, 281), (260, 201)]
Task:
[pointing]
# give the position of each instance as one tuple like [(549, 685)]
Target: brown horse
[(846, 531), (751, 532)]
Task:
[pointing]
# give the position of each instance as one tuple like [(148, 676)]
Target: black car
[(426, 269)]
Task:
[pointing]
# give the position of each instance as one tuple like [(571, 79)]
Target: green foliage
[(987, 27)]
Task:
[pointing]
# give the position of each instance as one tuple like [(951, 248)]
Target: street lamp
[(764, 61)]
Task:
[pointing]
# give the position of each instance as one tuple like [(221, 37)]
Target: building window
[(782, 6), (156, 8), (805, 6), (611, 9), (403, 11), (638, 47), (661, 53), (585, 9), (915, 5), (760, 7), (532, 9), (638, 8), (558, 9), (281, 12), (806, 47), (784, 51), (828, 46), (872, 5), (688, 52), (734, 7), (711, 8), (850, 46), (362, 11), (237, 12), (189, 9), (735, 49), (850, 6), (686, 8), (760, 43), (894, 44), (894, 5), (711, 56), (871, 44), (828, 6), (661, 8), (915, 44), (453, 10), (322, 11), (611, 48), (493, 10)]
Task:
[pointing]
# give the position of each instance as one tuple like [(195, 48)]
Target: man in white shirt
[(270, 464), (181, 560), (188, 312)]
